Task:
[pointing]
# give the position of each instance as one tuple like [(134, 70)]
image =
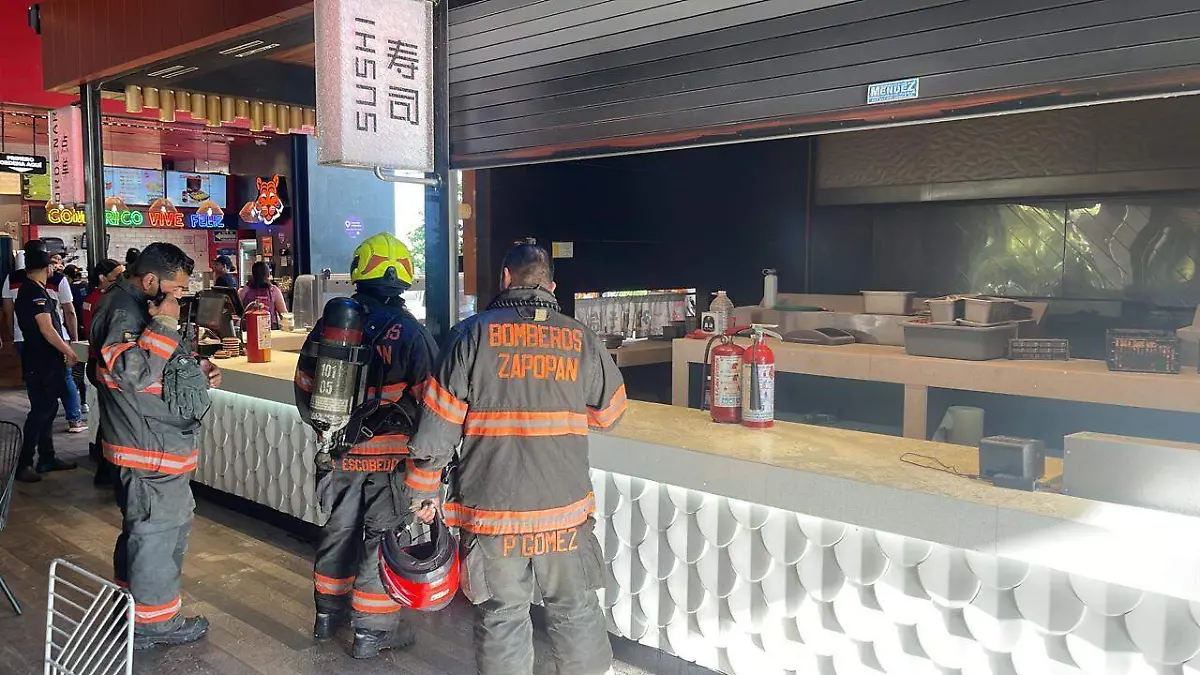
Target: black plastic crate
[(1143, 351)]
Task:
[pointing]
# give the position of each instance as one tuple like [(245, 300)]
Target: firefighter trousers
[(362, 507), (156, 519), (501, 577)]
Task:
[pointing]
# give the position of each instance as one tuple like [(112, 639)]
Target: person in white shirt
[(60, 287)]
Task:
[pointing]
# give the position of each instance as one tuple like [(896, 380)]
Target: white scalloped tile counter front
[(810, 550)]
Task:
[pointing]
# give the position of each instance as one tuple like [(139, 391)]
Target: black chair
[(10, 454)]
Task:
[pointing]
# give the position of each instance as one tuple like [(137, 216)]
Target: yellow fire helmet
[(377, 256)]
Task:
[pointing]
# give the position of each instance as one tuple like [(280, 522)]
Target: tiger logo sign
[(268, 206)]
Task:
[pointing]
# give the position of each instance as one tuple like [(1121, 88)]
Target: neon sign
[(124, 218), (268, 206), (159, 218), (65, 215), (206, 221)]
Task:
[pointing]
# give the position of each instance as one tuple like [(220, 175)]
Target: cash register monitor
[(215, 309)]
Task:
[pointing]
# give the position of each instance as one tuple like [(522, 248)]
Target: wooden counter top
[(1081, 380)]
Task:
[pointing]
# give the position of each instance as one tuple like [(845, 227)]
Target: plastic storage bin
[(965, 343), (945, 310), (988, 310), (887, 302)]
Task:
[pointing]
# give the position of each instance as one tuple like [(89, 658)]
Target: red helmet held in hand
[(422, 576)]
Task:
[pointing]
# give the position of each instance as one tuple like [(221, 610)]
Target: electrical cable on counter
[(1049, 485)]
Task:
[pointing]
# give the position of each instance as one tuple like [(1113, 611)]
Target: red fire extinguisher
[(257, 321), (724, 391), (758, 381)]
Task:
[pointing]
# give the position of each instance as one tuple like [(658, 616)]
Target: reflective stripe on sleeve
[(150, 460), (487, 522), (443, 403), (504, 423), (606, 417), (110, 353), (157, 344), (420, 480)]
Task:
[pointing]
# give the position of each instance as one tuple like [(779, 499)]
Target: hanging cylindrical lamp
[(297, 123), (133, 99), (199, 107), (241, 109), (310, 118), (166, 105), (228, 108), (183, 102), (214, 111), (150, 97), (256, 115), (284, 117), (271, 115)]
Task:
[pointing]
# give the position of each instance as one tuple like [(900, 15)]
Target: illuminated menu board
[(194, 189), (134, 186)]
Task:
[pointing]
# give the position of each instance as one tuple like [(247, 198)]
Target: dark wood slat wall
[(551, 79), (85, 40)]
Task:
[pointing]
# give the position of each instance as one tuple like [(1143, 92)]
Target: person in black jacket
[(360, 483)]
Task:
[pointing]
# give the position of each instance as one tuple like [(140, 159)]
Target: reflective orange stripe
[(503, 423), (157, 613), (303, 381), (150, 460), (391, 444), (420, 480), (443, 403), (110, 352), (106, 378), (159, 345), (373, 603), (603, 419), (391, 392), (418, 391), (331, 586), (152, 388), (486, 522)]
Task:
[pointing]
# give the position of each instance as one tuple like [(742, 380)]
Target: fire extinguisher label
[(762, 409), (727, 392), (264, 331)]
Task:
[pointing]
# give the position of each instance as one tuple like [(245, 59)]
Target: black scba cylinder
[(335, 386)]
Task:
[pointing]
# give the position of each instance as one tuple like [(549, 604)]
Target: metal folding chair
[(89, 624), (10, 454)]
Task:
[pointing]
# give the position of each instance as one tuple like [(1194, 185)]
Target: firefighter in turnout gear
[(520, 385), (360, 483), (152, 394)]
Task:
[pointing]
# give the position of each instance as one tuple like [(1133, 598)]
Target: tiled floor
[(251, 580)]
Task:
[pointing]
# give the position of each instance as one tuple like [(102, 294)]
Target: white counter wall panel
[(752, 589)]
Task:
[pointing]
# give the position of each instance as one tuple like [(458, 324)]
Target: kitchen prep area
[(881, 362)]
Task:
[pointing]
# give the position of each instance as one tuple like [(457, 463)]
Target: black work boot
[(26, 474), (185, 632), (368, 643), (328, 623)]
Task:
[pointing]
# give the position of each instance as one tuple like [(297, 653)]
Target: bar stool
[(10, 453)]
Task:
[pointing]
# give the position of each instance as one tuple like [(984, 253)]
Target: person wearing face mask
[(103, 276), (152, 395)]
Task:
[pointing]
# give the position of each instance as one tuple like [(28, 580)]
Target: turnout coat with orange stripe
[(520, 385), (130, 352)]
